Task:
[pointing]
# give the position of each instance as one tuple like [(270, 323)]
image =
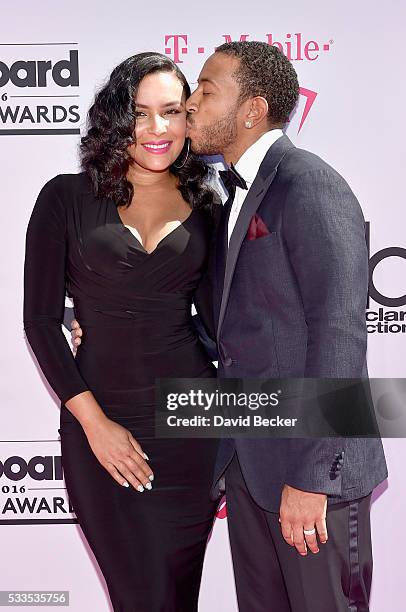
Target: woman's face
[(160, 127)]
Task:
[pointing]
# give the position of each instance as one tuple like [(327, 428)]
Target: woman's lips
[(157, 148)]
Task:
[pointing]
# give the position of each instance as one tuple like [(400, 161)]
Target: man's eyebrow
[(206, 80), (166, 105)]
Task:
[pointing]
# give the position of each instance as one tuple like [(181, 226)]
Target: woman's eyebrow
[(166, 105)]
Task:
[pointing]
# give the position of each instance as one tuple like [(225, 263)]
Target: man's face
[(213, 107)]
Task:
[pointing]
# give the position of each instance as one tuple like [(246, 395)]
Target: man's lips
[(158, 147)]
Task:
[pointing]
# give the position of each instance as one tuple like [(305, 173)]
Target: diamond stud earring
[(248, 124)]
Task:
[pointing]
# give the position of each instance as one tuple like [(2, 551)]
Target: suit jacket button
[(228, 361)]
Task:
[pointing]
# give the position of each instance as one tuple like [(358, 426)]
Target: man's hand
[(299, 511), (76, 334)]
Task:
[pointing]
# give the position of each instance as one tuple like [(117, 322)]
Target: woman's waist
[(162, 342), (155, 311), (124, 373), (138, 340)]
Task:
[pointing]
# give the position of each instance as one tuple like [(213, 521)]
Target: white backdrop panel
[(355, 66)]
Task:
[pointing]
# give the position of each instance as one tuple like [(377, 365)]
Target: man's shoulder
[(300, 163), (305, 176)]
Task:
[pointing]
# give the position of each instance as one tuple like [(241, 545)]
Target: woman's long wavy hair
[(111, 124)]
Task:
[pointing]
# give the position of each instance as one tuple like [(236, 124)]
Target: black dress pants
[(271, 576)]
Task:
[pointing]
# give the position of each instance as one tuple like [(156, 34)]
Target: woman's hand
[(119, 453)]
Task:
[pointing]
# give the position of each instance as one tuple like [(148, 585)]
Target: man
[(290, 281), (289, 278)]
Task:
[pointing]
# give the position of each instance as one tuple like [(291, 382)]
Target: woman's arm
[(44, 300), (44, 293)]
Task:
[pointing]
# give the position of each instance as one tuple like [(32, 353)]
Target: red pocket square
[(257, 228)]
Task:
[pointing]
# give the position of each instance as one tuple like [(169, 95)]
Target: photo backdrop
[(349, 57)]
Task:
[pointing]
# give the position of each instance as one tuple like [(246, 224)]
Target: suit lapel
[(263, 180)]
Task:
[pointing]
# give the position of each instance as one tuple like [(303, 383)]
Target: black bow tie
[(232, 179)]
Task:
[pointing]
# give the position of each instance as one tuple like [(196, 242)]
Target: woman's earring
[(187, 155), (248, 124)]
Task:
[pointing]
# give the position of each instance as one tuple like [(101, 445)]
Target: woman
[(129, 239)]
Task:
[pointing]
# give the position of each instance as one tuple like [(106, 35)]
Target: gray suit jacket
[(293, 305)]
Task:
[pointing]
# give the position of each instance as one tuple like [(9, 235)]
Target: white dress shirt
[(248, 166)]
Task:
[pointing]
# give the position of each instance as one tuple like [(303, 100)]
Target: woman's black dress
[(134, 309)]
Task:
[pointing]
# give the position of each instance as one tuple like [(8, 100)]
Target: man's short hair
[(265, 71)]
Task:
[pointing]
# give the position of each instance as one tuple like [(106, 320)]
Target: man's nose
[(191, 104)]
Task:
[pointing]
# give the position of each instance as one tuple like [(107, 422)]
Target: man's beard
[(215, 139)]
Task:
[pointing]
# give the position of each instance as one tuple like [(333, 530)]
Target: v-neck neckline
[(134, 237)]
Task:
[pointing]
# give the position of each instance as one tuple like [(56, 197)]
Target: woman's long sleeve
[(44, 292)]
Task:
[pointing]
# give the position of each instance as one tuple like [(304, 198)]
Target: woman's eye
[(173, 111), (139, 114)]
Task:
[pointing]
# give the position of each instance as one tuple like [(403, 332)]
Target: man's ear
[(257, 110)]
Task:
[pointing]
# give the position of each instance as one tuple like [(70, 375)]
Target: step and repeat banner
[(53, 56)]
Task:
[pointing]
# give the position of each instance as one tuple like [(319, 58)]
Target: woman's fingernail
[(151, 477), (148, 486), (140, 488), (146, 456), (125, 484)]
